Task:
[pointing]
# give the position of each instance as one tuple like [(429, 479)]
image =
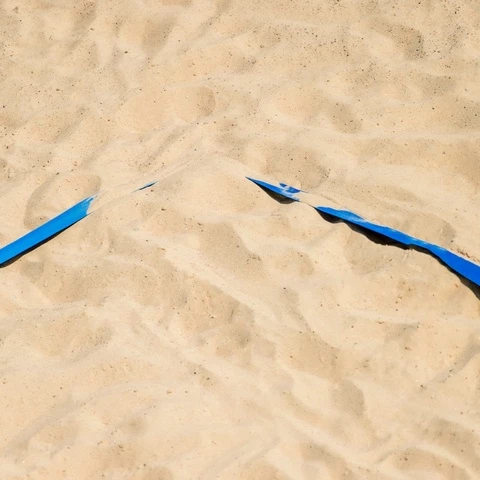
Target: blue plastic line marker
[(282, 189), (45, 231), (150, 184), (460, 265), (50, 228)]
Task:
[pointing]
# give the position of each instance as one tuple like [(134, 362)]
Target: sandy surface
[(199, 329)]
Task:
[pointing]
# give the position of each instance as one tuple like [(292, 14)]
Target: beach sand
[(199, 329)]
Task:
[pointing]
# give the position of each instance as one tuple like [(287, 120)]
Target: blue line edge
[(44, 232), (50, 228), (460, 265)]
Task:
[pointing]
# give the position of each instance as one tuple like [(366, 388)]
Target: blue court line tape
[(50, 228), (460, 265)]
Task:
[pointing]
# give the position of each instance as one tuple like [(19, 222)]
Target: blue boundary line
[(460, 265), (49, 229)]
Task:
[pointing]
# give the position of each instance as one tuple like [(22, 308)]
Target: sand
[(199, 329)]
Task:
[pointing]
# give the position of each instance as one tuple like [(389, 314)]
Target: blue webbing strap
[(462, 266)]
